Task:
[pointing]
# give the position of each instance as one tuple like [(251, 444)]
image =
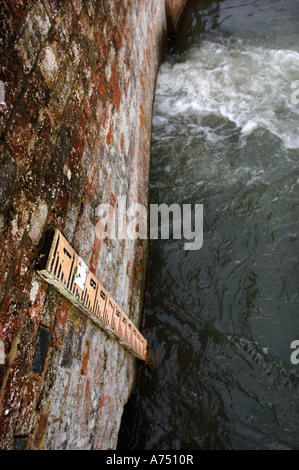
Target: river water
[(221, 320)]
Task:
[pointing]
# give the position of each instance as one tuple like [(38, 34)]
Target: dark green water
[(220, 320)]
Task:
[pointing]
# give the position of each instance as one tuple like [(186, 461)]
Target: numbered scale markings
[(68, 273)]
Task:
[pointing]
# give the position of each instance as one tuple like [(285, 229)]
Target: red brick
[(142, 117), (117, 39), (61, 314), (85, 358), (17, 7), (10, 320), (91, 179), (95, 255), (110, 135), (27, 411), (20, 136), (19, 382), (122, 143), (24, 268), (59, 209), (42, 425), (37, 299), (77, 6)]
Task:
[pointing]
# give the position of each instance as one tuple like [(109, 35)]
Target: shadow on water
[(220, 320)]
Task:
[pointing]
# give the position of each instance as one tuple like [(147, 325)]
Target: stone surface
[(75, 132)]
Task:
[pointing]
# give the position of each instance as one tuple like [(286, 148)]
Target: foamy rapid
[(247, 85)]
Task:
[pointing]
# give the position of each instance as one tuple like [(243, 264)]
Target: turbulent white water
[(248, 85), (220, 320)]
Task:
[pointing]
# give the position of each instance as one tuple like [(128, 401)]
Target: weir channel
[(221, 320)]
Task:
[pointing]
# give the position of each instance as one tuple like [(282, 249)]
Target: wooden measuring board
[(68, 273)]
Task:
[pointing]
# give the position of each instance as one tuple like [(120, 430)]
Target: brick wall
[(75, 129)]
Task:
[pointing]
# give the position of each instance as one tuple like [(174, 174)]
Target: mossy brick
[(32, 177), (51, 182), (17, 377), (36, 96), (62, 91), (8, 178), (24, 267), (33, 32), (72, 111), (16, 218), (68, 19), (85, 72), (6, 27), (59, 208), (19, 135), (62, 146)]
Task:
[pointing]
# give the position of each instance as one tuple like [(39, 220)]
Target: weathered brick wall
[(75, 131)]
